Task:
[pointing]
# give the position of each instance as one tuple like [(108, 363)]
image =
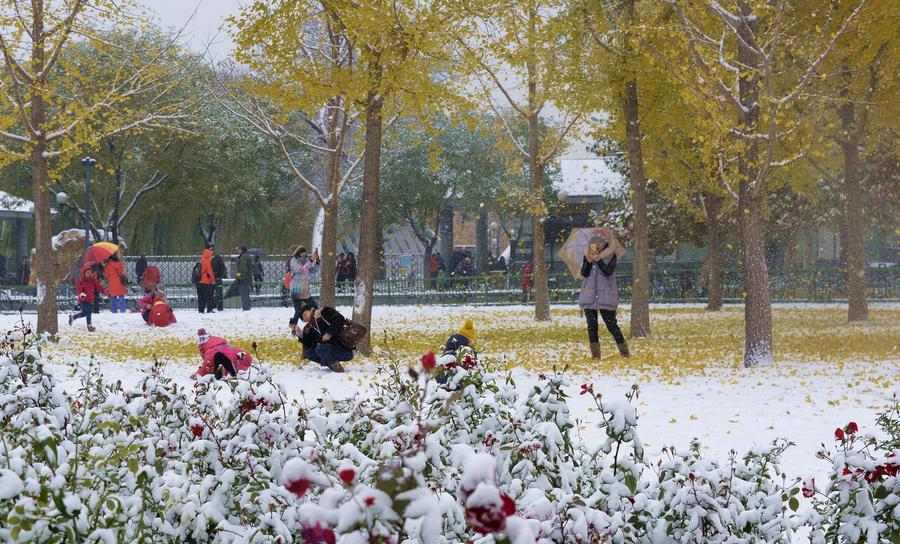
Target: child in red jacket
[(86, 290)]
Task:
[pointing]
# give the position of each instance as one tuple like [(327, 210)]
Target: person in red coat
[(161, 314), (86, 290), (115, 274), (219, 357)]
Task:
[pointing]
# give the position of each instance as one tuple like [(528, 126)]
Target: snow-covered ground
[(724, 408)]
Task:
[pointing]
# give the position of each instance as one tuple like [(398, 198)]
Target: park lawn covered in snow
[(687, 340)]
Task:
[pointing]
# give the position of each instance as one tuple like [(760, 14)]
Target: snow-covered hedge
[(448, 451)]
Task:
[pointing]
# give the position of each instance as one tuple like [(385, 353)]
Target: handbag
[(351, 333), (287, 281)]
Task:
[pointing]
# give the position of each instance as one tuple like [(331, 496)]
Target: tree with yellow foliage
[(49, 114), (527, 57), (304, 65), (394, 55), (860, 129), (750, 71)]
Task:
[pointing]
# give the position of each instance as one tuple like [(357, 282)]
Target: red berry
[(369, 501), (347, 475), (298, 487), (852, 427), (197, 430), (429, 361), (839, 434)]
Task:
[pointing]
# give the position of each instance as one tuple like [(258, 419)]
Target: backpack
[(195, 274)]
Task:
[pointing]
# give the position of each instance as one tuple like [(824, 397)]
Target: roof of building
[(14, 206), (398, 240), (583, 177)]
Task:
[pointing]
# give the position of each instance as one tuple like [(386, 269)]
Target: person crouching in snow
[(466, 336), (220, 358), (86, 290), (161, 314), (319, 337)]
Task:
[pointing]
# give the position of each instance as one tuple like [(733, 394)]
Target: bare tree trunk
[(757, 303), (541, 290), (370, 226), (640, 291), (858, 308), (714, 253), (47, 321), (329, 254), (329, 234), (853, 238)]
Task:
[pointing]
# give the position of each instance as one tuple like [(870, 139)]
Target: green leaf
[(631, 482), (881, 492), (794, 504)]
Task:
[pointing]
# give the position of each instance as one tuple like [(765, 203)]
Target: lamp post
[(88, 167)]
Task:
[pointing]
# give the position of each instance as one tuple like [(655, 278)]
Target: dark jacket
[(599, 290), (220, 271), (326, 320), (244, 268), (454, 343), (139, 268)]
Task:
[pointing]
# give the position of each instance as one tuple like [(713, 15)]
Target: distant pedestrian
[(205, 280), (86, 290), (303, 270), (24, 271), (243, 278), (320, 337), (351, 267), (527, 281), (115, 282), (257, 273), (341, 268), (145, 303), (599, 291), (140, 266), (220, 271), (501, 264), (161, 314), (465, 268)]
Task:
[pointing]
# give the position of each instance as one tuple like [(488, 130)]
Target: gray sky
[(204, 28)]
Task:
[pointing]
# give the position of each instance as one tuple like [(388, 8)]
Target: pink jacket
[(217, 344)]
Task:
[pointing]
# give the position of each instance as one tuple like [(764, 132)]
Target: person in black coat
[(139, 267), (220, 271), (319, 337)]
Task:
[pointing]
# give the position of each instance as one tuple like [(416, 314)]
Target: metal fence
[(667, 285)]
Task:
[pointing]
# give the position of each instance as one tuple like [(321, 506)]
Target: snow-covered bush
[(448, 451), (861, 501)]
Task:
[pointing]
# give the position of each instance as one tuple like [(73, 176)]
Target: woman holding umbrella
[(599, 291)]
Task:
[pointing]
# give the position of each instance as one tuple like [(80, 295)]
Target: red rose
[(587, 388), (839, 434), (197, 430), (809, 488), (347, 475), (429, 361), (469, 362), (369, 501), (852, 427), (491, 518), (298, 487), (316, 534)]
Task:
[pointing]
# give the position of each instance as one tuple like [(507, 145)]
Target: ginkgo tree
[(525, 57), (47, 115), (860, 129), (750, 69), (381, 58), (304, 65)]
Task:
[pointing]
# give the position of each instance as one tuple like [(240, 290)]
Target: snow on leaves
[(454, 453)]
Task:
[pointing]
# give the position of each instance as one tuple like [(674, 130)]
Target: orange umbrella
[(99, 252)]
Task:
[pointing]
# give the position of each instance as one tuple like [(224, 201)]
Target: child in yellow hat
[(466, 336)]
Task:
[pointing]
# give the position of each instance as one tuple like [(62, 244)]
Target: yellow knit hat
[(468, 330)]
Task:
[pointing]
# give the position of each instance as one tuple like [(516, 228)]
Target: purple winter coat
[(599, 290)]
